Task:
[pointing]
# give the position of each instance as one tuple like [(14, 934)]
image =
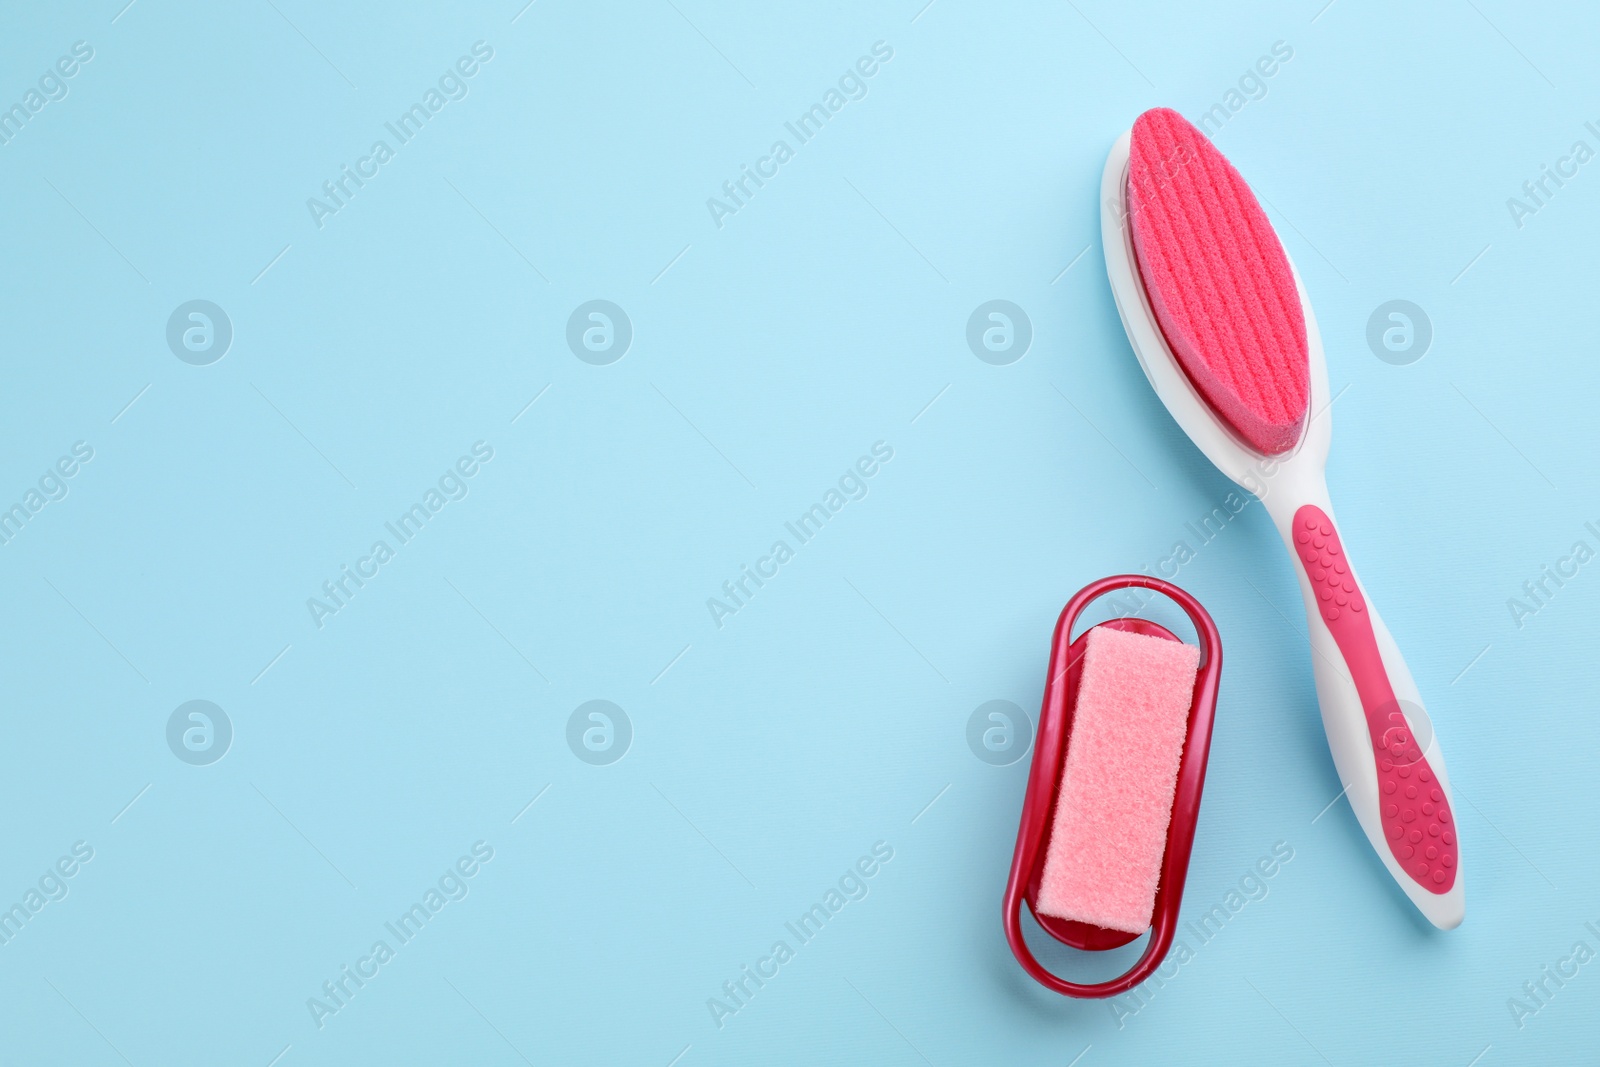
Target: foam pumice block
[(1219, 282), (1109, 832)]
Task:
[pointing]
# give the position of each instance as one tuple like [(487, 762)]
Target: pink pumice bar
[(1109, 831)]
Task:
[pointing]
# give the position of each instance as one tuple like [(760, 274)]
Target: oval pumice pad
[(1218, 281)]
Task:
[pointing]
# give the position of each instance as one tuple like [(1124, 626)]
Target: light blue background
[(767, 356)]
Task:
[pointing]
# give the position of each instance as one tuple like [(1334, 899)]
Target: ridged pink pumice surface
[(1219, 282)]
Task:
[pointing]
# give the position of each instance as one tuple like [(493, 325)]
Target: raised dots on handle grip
[(1396, 754)]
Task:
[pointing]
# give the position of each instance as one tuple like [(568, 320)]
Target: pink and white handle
[(1382, 743)]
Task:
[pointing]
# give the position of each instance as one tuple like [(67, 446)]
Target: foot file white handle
[(1382, 742)]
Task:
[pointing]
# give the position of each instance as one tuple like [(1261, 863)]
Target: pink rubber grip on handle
[(1417, 822)]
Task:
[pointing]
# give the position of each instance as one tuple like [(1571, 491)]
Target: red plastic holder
[(1044, 782)]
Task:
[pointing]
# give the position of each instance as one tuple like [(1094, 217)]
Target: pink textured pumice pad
[(1110, 826), (1218, 281)]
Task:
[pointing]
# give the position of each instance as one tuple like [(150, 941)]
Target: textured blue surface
[(378, 339)]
